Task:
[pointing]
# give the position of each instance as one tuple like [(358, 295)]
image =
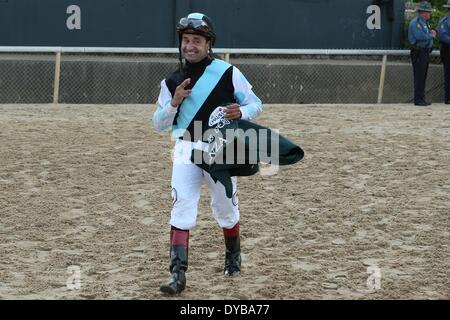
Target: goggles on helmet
[(195, 24)]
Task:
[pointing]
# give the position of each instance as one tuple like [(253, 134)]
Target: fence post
[(227, 57), (382, 77), (57, 77)]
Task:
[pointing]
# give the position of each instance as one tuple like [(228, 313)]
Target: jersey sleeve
[(164, 113), (251, 105)]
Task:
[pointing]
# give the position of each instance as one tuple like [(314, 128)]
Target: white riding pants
[(187, 179)]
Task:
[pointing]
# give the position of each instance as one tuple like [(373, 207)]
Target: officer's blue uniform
[(444, 38), (421, 41)]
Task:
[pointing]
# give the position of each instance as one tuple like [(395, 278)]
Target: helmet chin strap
[(180, 58)]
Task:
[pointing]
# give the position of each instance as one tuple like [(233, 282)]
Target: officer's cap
[(425, 6)]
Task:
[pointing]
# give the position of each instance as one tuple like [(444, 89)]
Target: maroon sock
[(233, 232), (179, 237)]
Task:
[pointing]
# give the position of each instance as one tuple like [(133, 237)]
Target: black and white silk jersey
[(214, 83)]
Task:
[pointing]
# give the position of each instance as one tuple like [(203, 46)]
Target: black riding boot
[(178, 262), (232, 251)]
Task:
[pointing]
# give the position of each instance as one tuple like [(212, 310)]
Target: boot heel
[(176, 283)]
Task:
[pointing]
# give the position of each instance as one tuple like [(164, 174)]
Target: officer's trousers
[(420, 59), (445, 58)]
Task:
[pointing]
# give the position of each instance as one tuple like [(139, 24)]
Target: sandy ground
[(90, 186)]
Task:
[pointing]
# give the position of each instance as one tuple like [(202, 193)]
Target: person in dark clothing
[(420, 36), (444, 38)]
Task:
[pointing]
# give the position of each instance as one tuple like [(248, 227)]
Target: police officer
[(444, 38), (420, 36)]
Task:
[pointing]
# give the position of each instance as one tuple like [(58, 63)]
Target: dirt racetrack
[(90, 186)]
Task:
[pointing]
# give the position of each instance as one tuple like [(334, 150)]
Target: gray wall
[(239, 23)]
